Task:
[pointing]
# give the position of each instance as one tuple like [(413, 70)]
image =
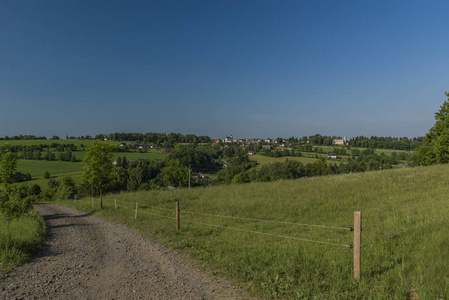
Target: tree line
[(154, 138), (366, 160), (36, 152)]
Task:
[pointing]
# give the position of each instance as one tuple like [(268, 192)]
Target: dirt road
[(89, 258)]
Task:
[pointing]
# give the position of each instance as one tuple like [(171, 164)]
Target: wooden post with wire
[(357, 244), (177, 215)]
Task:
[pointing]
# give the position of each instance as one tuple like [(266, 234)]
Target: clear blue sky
[(248, 68)]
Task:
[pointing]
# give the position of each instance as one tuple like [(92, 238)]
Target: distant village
[(243, 142), (247, 141)]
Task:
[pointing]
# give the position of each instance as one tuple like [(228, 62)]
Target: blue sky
[(248, 68)]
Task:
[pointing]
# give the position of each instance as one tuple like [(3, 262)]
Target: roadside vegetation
[(20, 239), (21, 231)]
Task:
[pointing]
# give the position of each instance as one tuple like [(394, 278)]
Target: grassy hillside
[(405, 233)]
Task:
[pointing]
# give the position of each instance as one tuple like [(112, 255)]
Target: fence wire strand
[(244, 230), (268, 221), (269, 234), (162, 216)]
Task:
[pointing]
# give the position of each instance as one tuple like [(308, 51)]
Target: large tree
[(435, 146), (98, 166)]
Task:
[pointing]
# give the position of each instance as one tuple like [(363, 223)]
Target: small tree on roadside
[(98, 166), (15, 200)]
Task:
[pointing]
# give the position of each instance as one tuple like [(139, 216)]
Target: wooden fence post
[(177, 215), (357, 244)]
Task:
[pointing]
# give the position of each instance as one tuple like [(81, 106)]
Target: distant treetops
[(435, 146)]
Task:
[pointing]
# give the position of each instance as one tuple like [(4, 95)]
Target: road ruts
[(89, 258)]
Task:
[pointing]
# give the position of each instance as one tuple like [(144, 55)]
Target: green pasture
[(329, 149), (405, 237), (131, 156), (37, 167), (59, 169), (56, 168), (265, 160)]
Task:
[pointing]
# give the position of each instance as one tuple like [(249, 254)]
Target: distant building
[(251, 152), (340, 141), (332, 156), (229, 139)]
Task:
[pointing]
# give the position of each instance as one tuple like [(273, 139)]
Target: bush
[(240, 178), (16, 202), (67, 189), (34, 190)]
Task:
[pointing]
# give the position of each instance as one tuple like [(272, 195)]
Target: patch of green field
[(37, 167), (329, 149), (131, 156), (405, 220), (264, 160), (61, 168)]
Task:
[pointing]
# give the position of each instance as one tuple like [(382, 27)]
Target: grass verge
[(24, 238)]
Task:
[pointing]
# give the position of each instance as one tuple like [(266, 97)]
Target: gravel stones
[(90, 258)]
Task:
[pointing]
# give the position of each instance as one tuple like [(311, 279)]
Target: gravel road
[(89, 258)]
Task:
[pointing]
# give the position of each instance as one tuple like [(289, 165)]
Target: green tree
[(435, 146), (240, 178), (15, 200), (66, 189), (174, 174), (98, 166), (8, 165)]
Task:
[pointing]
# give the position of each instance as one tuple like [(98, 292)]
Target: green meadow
[(234, 230), (59, 169), (265, 160)]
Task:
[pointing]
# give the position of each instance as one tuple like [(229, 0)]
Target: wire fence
[(268, 221), (374, 230), (379, 234), (144, 209)]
